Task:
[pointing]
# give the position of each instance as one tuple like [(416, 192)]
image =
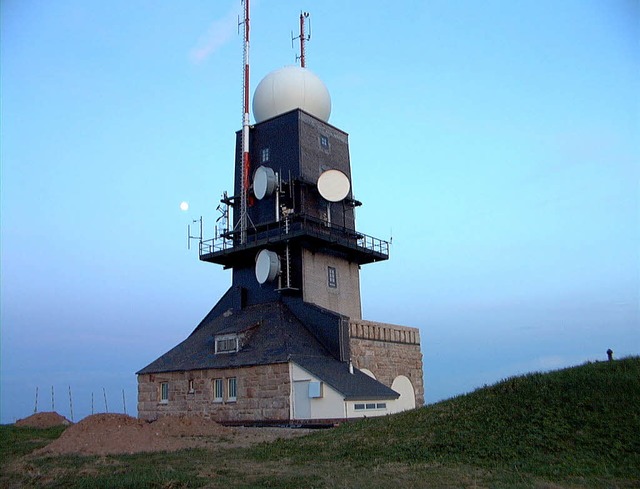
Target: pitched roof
[(274, 335), (278, 335), (354, 386)]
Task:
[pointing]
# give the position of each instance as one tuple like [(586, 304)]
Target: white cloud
[(219, 33)]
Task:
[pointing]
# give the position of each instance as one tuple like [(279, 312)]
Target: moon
[(184, 206)]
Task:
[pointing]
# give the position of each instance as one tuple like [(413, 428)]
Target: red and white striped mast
[(244, 177), (303, 39)]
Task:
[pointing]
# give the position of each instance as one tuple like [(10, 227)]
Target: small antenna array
[(303, 38)]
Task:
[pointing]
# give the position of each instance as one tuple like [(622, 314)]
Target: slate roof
[(278, 335), (356, 386), (275, 335)]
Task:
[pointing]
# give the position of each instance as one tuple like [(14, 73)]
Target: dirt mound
[(103, 434), (43, 420), (188, 426)]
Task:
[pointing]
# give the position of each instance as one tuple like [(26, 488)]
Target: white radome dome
[(288, 88)]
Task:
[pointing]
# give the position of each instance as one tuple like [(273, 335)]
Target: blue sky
[(497, 142)]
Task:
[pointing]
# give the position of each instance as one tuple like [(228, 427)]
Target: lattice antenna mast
[(244, 177), (303, 38)]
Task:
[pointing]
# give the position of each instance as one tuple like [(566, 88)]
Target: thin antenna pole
[(104, 393), (303, 39), (124, 403), (35, 409), (52, 400), (70, 403), (244, 177)]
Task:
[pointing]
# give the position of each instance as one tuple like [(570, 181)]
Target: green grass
[(577, 427), (577, 422), (17, 441)]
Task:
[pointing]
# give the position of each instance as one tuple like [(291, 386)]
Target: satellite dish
[(264, 182), (267, 266), (334, 185)]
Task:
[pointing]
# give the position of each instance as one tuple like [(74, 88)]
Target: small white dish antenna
[(334, 185), (264, 182), (267, 266)]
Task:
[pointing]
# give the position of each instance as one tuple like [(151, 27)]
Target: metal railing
[(291, 227)]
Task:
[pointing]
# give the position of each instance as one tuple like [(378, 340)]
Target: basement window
[(232, 389), (332, 277), (217, 390), (164, 392), (370, 406), (227, 344)]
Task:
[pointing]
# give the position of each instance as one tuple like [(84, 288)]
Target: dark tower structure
[(299, 244), (287, 342)]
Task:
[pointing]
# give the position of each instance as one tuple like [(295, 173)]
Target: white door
[(301, 401)]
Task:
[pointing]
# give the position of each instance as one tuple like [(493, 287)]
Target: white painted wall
[(332, 404), (407, 400), (369, 413), (329, 406)]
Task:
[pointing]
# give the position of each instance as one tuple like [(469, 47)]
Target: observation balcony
[(310, 232)]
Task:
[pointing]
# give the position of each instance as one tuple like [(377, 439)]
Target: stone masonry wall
[(262, 394), (345, 297), (387, 351)]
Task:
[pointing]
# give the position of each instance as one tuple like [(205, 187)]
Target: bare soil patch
[(44, 420), (103, 434)]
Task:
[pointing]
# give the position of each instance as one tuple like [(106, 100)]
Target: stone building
[(287, 342)]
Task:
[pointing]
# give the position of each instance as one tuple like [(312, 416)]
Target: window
[(191, 389), (332, 277), (217, 390), (264, 155), (315, 389), (324, 142), (232, 389), (369, 406), (227, 344), (164, 392)]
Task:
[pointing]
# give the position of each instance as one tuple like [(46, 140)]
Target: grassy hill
[(582, 421), (577, 427)]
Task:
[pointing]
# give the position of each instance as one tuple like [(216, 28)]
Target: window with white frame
[(164, 392), (324, 142), (370, 406), (218, 392), (264, 155), (232, 389), (226, 344)]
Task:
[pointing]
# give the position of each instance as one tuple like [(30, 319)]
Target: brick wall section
[(262, 394), (387, 351)]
